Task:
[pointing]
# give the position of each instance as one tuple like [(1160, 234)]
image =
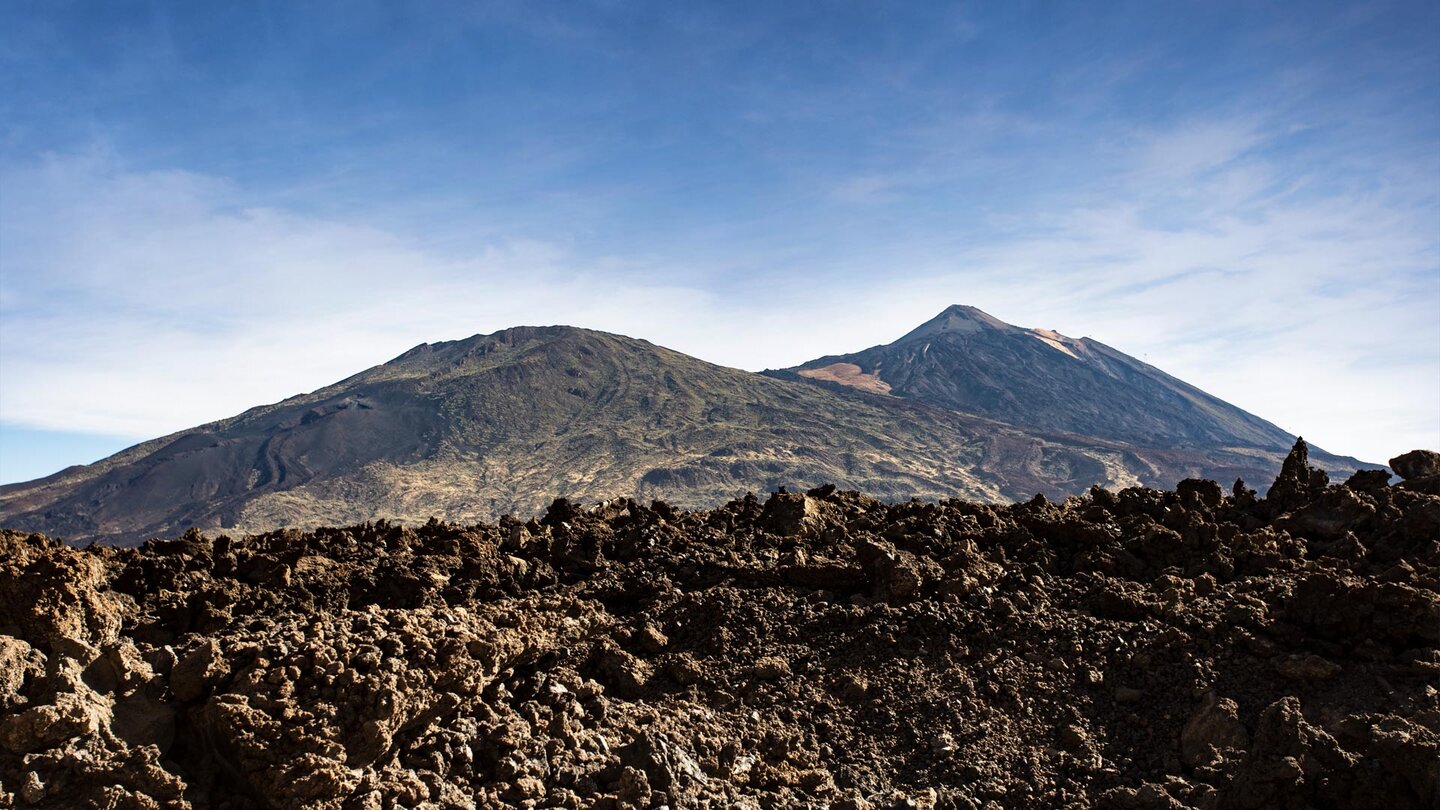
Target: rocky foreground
[(1139, 649)]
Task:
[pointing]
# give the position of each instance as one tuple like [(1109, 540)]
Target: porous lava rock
[(1420, 469), (1131, 649), (1416, 464), (1298, 482)]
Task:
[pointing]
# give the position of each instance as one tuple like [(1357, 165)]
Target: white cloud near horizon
[(197, 305), (138, 303)]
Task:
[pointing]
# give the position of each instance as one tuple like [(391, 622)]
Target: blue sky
[(208, 206)]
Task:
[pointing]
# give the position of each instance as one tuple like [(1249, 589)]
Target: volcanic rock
[(1416, 464), (1421, 471), (1214, 728), (1131, 649), (1298, 482)]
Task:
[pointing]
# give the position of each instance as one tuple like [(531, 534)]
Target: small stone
[(852, 802), (194, 674), (1125, 694), (1073, 737), (1307, 668), (817, 781), (530, 787), (622, 670), (685, 670), (1368, 481), (634, 786), (790, 513), (942, 743), (771, 668), (667, 765), (43, 727), (33, 791), (18, 662), (651, 640), (854, 686), (1213, 727)]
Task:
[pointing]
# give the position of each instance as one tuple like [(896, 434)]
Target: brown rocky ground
[(1140, 649)]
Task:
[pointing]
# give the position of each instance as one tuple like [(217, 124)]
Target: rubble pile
[(1136, 649)]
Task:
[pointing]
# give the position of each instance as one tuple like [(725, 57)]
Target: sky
[(210, 206)]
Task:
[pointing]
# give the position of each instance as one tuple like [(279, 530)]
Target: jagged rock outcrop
[(1298, 482)]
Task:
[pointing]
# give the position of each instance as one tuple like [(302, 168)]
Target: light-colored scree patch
[(848, 374), (1054, 340)]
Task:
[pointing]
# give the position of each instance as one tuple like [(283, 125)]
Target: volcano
[(964, 406)]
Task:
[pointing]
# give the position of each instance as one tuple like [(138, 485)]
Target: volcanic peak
[(512, 336), (957, 319), (968, 361)]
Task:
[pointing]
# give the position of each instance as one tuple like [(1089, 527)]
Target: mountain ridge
[(476, 427), (966, 360)]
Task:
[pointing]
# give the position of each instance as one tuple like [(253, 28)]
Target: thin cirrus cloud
[(1236, 205)]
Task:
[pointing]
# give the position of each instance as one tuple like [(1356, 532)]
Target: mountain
[(966, 360), (503, 423)]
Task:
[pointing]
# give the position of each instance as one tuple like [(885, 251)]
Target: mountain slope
[(506, 422), (966, 360), (472, 429)]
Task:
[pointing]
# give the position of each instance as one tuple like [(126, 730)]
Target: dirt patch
[(1139, 649), (847, 374)]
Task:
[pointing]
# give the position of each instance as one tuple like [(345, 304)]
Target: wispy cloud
[(1182, 153), (196, 303), (869, 188)]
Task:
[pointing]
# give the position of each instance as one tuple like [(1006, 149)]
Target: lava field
[(1201, 648)]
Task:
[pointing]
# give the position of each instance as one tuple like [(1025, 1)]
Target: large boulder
[(1416, 464), (1420, 469)]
